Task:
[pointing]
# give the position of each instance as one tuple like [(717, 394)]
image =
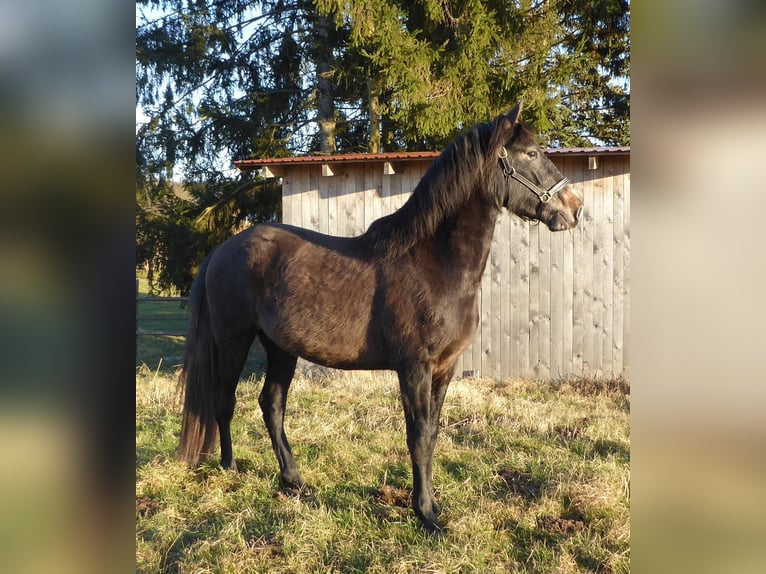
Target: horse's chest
[(452, 335), (431, 316), (453, 326)]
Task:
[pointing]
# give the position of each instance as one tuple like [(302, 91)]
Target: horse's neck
[(463, 242)]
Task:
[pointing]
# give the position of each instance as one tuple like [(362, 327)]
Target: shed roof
[(250, 164)]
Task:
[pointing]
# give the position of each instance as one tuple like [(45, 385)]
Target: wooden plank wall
[(552, 305)]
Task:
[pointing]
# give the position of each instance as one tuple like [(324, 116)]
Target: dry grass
[(532, 476)]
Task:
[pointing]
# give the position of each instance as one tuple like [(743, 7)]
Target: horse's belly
[(323, 331), (331, 350), (331, 347)]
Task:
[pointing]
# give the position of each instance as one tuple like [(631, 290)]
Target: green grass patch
[(166, 316), (159, 314), (532, 477)]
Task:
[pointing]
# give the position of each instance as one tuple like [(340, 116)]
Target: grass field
[(532, 477), (168, 316)]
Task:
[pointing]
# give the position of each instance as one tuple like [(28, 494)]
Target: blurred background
[(67, 100), (698, 467)]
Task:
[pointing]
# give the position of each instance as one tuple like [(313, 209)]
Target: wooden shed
[(552, 305)]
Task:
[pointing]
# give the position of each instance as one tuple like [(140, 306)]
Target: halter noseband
[(542, 195)]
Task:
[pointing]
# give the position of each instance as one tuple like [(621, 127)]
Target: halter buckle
[(508, 169)]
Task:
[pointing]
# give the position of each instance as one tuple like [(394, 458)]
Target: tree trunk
[(374, 113), (325, 100)]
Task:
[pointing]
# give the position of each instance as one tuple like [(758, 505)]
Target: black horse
[(402, 296)]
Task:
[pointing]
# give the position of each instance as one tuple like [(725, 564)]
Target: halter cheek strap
[(542, 194)]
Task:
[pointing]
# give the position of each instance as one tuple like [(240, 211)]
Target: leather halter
[(542, 195)]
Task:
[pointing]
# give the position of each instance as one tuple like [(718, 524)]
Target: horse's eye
[(532, 154)]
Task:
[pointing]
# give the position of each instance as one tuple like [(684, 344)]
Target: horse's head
[(527, 182)]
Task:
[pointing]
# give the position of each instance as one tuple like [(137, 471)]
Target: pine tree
[(439, 65)]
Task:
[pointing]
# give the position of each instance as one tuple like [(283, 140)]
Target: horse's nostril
[(578, 213)]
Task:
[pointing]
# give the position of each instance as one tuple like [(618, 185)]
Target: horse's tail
[(199, 430)]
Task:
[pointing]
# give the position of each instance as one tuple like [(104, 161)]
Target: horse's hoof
[(435, 528), (302, 490)]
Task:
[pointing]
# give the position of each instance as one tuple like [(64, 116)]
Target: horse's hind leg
[(231, 360), (273, 399)]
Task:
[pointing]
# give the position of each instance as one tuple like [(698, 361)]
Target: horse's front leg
[(415, 385), (439, 384)]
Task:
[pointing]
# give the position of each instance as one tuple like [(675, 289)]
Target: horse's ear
[(514, 116), (504, 129), (508, 122)]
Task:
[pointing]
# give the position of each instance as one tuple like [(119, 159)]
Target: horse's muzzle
[(568, 215), (559, 222)]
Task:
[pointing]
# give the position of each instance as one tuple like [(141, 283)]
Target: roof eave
[(252, 164)]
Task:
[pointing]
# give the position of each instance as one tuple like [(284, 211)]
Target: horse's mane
[(446, 186)]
